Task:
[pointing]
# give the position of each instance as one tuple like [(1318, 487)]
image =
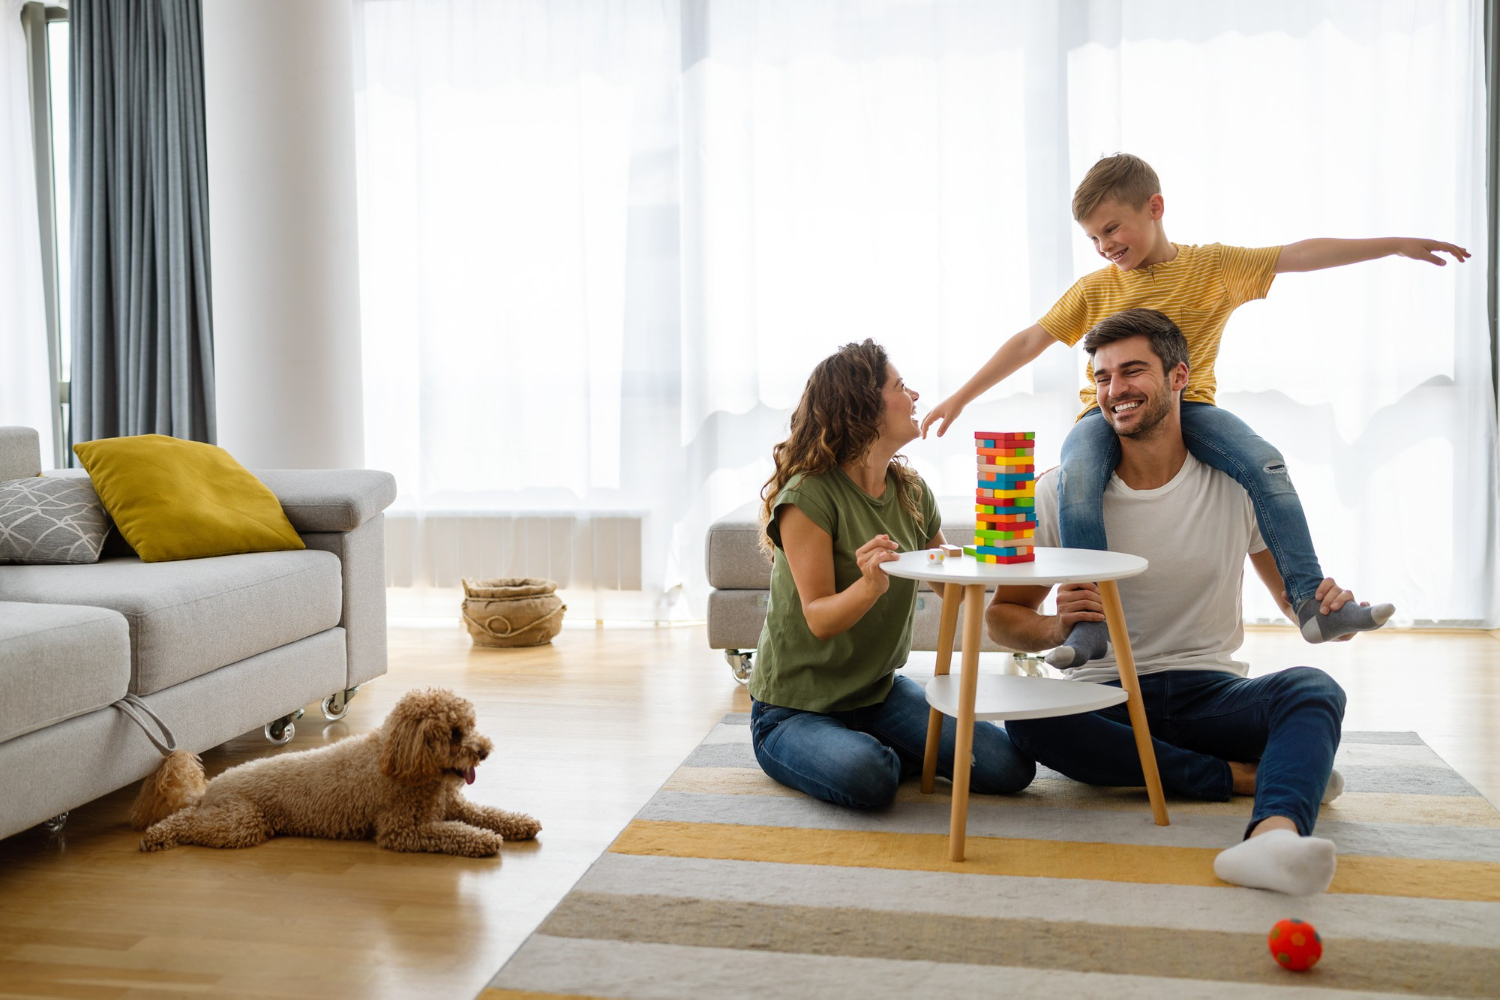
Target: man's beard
[(1154, 410)]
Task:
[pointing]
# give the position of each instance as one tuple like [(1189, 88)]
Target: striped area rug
[(729, 885)]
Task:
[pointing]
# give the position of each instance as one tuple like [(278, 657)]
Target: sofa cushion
[(58, 661), (20, 453), (192, 616), (176, 499), (51, 521), (732, 553)]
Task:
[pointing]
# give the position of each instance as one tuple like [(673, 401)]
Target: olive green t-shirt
[(793, 667)]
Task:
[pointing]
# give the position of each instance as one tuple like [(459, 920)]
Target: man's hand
[(1331, 597), (1077, 602), (947, 411), (1418, 249), (869, 556)]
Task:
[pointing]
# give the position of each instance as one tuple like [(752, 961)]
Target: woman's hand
[(869, 556), (1077, 602)]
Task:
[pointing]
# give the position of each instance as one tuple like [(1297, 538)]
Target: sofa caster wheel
[(739, 664), (282, 730), (336, 705), (55, 824)]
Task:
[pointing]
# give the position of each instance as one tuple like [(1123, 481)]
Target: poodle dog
[(400, 785)]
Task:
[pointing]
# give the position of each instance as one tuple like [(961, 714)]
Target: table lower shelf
[(1006, 696)]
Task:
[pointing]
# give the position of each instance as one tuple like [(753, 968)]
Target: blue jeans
[(1216, 438), (857, 758), (1200, 720)]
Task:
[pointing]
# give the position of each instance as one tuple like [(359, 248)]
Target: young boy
[(1120, 207)]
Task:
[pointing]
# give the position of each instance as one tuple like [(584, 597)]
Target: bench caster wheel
[(739, 664), (281, 731), (336, 705), (55, 824)]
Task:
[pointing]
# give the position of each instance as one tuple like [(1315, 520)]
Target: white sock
[(1279, 860), (1335, 787)]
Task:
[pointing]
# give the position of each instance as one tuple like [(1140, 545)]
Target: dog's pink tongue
[(468, 776)]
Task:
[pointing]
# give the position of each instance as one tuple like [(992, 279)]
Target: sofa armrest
[(330, 499)]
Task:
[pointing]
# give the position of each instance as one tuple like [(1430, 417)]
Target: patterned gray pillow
[(51, 521)]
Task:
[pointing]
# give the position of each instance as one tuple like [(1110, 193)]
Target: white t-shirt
[(1184, 612)]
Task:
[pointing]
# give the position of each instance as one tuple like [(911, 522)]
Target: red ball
[(1295, 944)]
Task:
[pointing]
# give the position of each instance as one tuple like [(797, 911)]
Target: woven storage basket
[(515, 611)]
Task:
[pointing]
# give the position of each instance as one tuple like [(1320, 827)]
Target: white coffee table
[(969, 697)]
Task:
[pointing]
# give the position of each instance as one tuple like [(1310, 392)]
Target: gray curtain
[(142, 329)]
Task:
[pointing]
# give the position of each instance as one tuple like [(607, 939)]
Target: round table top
[(1052, 565)]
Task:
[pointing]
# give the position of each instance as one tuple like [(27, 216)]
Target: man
[(1215, 731)]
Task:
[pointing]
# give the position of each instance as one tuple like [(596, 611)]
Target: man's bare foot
[(1243, 776)]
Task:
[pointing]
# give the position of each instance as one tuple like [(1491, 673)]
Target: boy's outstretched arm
[(1315, 255), (1018, 351)]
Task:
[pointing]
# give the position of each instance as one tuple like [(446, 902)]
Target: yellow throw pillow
[(175, 499)]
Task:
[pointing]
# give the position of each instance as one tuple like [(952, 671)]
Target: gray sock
[(1350, 618), (1087, 641)]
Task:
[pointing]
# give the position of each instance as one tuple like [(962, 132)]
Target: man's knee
[(1311, 686)]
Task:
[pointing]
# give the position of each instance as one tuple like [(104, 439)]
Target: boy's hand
[(1428, 250), (947, 411)]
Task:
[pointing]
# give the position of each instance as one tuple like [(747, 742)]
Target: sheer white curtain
[(25, 394), (603, 244)]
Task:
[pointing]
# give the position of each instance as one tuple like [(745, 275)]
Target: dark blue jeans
[(857, 758), (1200, 720), (1218, 439)]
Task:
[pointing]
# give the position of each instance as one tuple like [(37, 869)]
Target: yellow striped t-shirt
[(1198, 289)]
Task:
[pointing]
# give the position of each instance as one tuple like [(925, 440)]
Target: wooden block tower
[(1005, 501)]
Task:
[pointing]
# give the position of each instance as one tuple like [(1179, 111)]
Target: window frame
[(35, 17)]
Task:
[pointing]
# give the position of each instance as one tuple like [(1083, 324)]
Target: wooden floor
[(585, 731)]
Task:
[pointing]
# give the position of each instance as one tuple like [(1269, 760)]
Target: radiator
[(577, 550)]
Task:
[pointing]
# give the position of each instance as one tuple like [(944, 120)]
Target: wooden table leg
[(947, 628), (1114, 616), (963, 744)]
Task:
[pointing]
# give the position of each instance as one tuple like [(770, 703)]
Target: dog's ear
[(405, 748)]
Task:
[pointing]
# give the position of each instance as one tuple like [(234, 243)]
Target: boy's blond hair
[(1125, 178)]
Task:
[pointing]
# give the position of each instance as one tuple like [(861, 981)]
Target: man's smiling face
[(1134, 393)]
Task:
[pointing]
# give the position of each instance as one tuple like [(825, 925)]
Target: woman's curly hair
[(837, 421)]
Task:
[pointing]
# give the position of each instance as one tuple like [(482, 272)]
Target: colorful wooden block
[(987, 535), (952, 551)]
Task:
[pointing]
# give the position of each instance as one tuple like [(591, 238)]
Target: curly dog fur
[(400, 785)]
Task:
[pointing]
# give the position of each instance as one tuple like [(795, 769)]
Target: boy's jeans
[(1200, 719), (1216, 438), (857, 758)]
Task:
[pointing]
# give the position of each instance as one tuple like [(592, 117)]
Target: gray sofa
[(214, 647), (740, 575)]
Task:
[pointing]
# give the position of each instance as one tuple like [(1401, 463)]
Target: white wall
[(278, 77)]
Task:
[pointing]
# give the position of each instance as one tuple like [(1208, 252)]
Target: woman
[(830, 717)]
